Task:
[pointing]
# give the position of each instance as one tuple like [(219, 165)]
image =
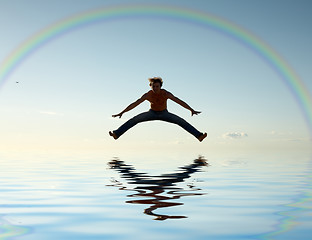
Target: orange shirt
[(158, 101)]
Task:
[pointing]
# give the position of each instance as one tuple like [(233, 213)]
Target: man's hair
[(155, 80)]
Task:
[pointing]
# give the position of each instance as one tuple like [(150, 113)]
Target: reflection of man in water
[(158, 191), (158, 99)]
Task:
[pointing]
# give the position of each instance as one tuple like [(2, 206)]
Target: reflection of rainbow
[(288, 216), (10, 231), (276, 62)]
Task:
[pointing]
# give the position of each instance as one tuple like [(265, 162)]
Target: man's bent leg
[(142, 117), (172, 118)]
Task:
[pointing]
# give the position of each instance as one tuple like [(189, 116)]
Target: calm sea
[(156, 196)]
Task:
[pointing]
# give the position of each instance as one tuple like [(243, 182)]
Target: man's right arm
[(132, 105)]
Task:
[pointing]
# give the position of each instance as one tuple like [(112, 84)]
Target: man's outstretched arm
[(131, 106), (182, 103)]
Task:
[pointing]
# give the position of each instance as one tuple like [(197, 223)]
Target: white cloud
[(235, 135), (51, 113)]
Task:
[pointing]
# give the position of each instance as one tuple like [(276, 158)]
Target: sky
[(62, 96)]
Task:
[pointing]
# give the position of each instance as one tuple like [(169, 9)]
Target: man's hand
[(117, 115), (195, 112)]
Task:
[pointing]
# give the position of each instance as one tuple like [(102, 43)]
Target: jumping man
[(158, 99)]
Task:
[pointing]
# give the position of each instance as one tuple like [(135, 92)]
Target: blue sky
[(69, 88)]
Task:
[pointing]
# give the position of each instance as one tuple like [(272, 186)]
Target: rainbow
[(259, 47)]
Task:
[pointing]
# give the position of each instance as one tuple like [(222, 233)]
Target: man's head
[(155, 80)]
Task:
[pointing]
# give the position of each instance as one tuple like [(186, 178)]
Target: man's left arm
[(182, 103)]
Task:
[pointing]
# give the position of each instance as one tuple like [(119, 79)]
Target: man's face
[(155, 87)]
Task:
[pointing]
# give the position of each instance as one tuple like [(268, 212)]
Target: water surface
[(144, 196)]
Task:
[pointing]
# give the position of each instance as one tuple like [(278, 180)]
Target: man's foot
[(113, 135), (202, 137)]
